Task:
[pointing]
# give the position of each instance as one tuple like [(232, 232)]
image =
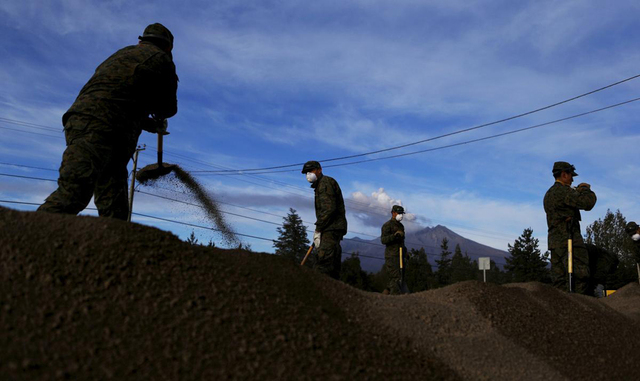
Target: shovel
[(155, 171), (403, 286), (308, 252), (570, 254)]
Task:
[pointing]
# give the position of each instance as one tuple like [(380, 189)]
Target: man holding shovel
[(392, 236), (633, 230), (331, 220), (569, 255), (103, 124)]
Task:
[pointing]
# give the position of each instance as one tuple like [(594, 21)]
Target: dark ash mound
[(95, 298)]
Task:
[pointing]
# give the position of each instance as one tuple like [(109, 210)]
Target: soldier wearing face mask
[(392, 236), (633, 230), (331, 220)]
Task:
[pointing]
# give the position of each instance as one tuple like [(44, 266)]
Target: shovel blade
[(154, 171)]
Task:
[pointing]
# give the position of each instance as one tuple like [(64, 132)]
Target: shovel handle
[(159, 149), (401, 267), (570, 262), (306, 255)]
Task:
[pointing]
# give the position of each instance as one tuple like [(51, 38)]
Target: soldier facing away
[(103, 124), (562, 204), (331, 220), (392, 236)]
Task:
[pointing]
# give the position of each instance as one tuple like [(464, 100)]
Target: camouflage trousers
[(392, 268), (328, 257), (581, 273), (93, 164)]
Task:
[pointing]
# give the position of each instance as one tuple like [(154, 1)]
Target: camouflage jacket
[(562, 205), (330, 212), (389, 239), (128, 86)]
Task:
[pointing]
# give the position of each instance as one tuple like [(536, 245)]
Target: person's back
[(329, 205), (127, 87)]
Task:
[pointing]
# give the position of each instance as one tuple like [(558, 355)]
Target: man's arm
[(582, 198), (387, 235), (161, 85)]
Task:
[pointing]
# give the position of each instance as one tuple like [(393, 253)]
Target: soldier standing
[(103, 124), (562, 203), (392, 236), (633, 230), (331, 220)]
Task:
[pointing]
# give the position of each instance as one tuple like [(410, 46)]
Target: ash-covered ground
[(99, 299)]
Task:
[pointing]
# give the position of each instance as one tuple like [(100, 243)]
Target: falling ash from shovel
[(153, 172)]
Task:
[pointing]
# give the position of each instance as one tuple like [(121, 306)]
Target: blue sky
[(266, 83)]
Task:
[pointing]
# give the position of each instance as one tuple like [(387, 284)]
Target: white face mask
[(399, 217), (311, 177), (636, 237)]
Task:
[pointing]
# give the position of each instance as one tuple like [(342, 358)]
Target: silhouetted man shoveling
[(103, 124)]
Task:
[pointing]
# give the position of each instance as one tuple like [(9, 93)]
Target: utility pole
[(133, 178)]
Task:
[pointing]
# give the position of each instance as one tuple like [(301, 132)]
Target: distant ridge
[(430, 238)]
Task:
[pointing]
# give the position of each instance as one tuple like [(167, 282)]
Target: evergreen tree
[(292, 242), (192, 239), (352, 274), (526, 263), (443, 274), (418, 273), (462, 267), (609, 234), (494, 274)]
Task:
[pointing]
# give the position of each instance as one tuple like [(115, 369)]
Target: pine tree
[(352, 274), (609, 234), (418, 273), (526, 263), (192, 239), (462, 267), (443, 274), (292, 242), (494, 274)]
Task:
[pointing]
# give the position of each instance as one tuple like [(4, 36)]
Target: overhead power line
[(31, 132), (273, 223), (27, 177), (195, 226), (184, 202), (30, 125), (29, 166), (445, 135), (186, 224), (241, 172)]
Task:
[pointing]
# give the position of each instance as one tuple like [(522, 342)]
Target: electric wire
[(445, 146), (30, 167), (29, 124), (242, 216), (459, 131), (238, 215), (191, 225), (27, 177), (31, 132), (273, 223)]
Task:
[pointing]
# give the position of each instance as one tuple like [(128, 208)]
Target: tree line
[(525, 262)]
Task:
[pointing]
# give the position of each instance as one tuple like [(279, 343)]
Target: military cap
[(398, 209), (157, 31), (310, 166), (631, 228), (563, 166)]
